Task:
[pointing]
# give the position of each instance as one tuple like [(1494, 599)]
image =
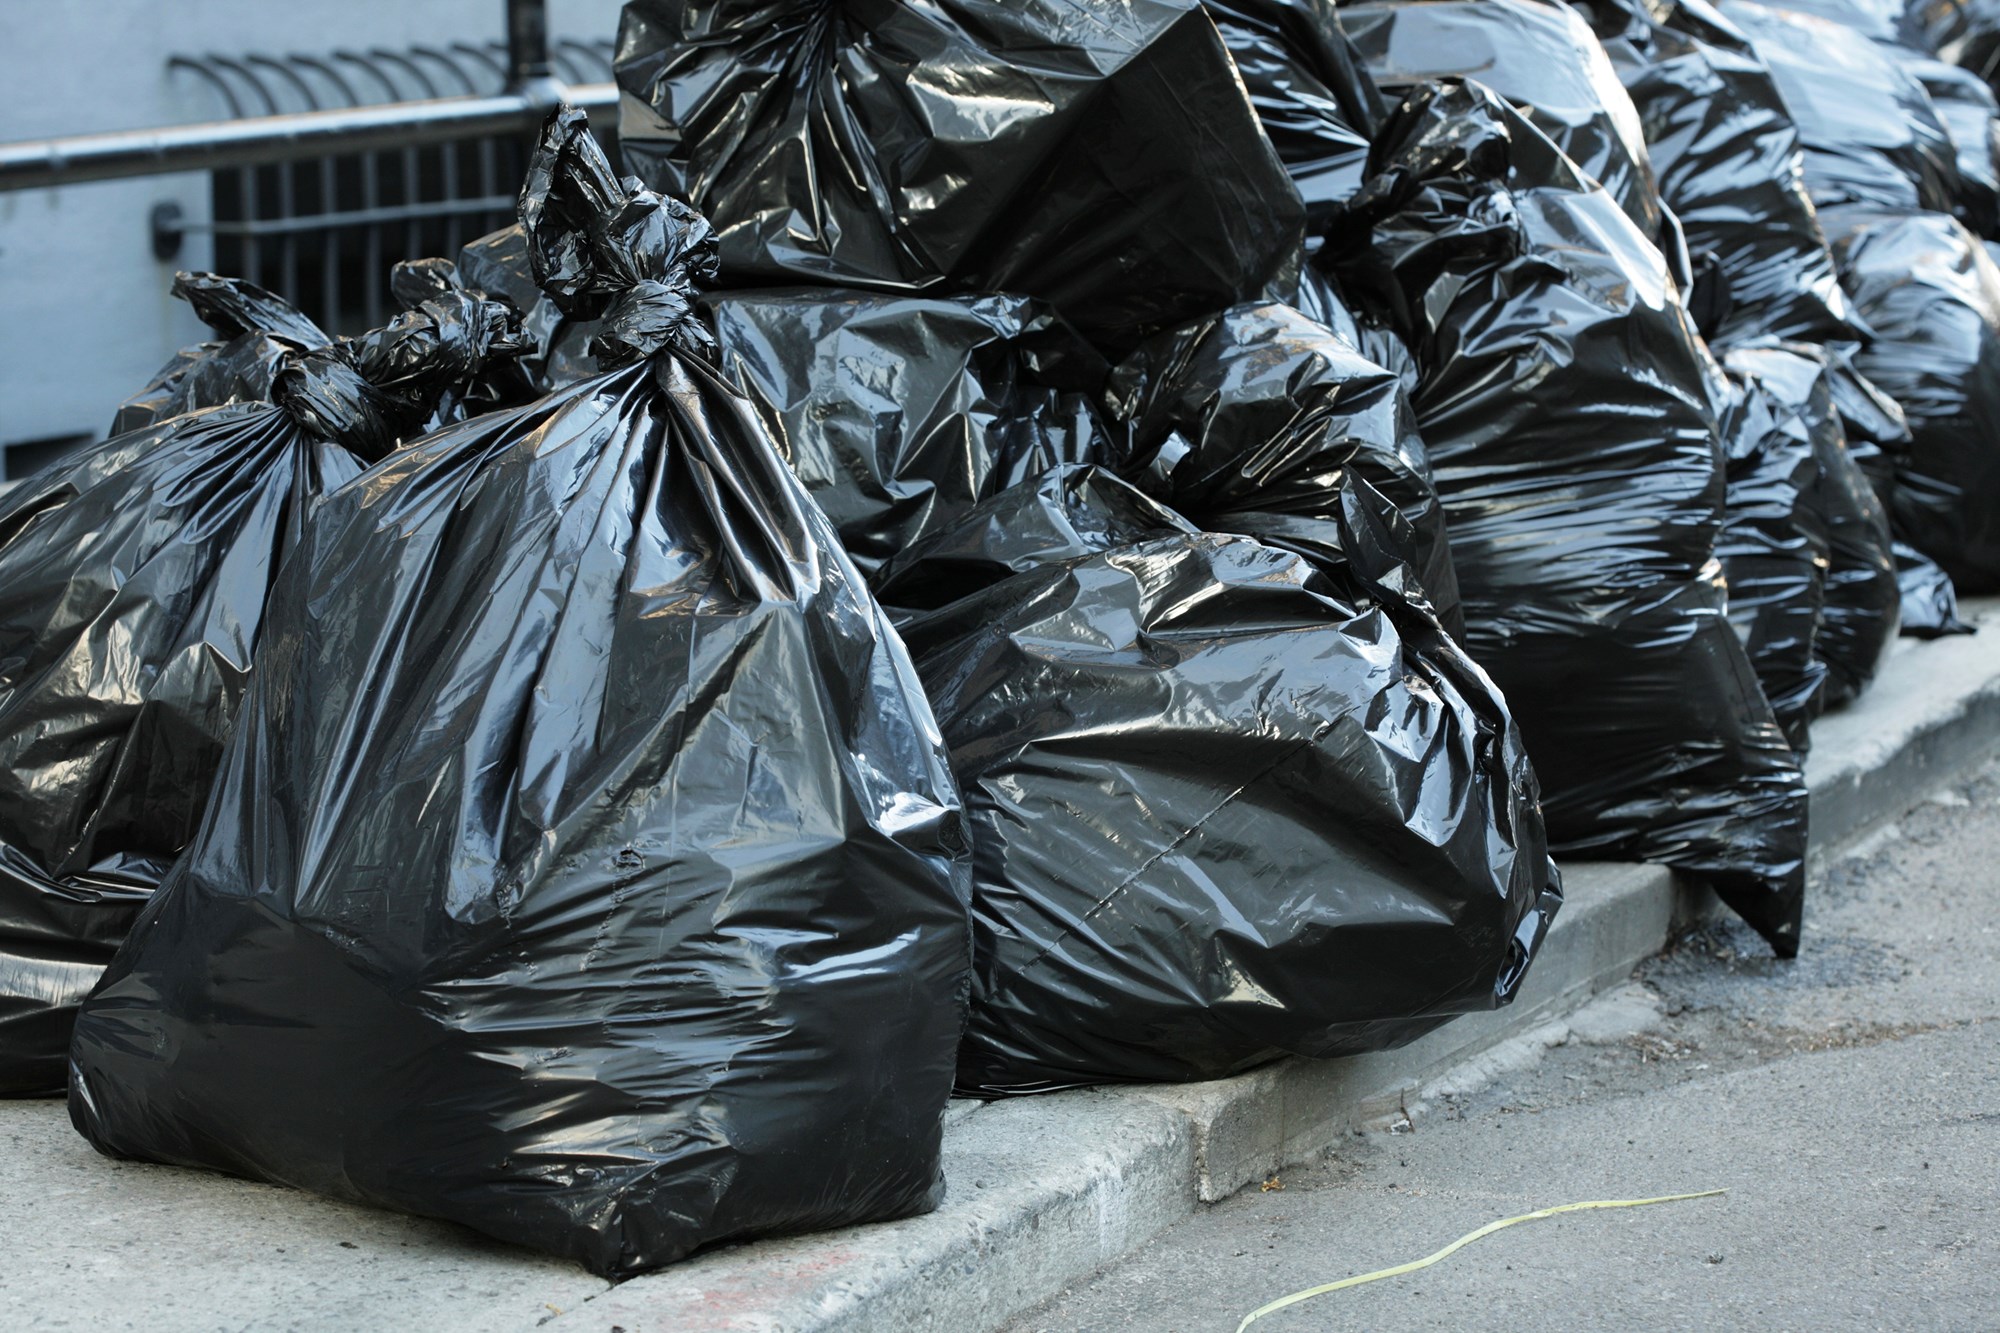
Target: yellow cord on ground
[(1458, 1245)]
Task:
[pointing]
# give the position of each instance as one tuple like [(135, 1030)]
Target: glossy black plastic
[(1251, 422), (259, 331), (1226, 802), (1729, 164), (1098, 154), (1541, 57), (586, 868), (1773, 546), (134, 578), (1313, 96), (1582, 500), (898, 412), (1931, 293), (1871, 133)]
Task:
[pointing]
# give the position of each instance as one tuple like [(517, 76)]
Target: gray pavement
[(1849, 1102)]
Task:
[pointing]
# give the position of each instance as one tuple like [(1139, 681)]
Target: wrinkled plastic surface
[(1967, 108), (259, 331), (900, 412), (1313, 96), (1800, 391), (1583, 501), (1543, 57), (586, 868), (133, 587), (1930, 603), (1730, 165), (1870, 132), (1773, 545), (1932, 294), (1226, 802), (1862, 613), (1878, 442), (1098, 154), (1252, 421)]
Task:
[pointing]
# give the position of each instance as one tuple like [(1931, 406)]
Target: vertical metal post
[(527, 42)]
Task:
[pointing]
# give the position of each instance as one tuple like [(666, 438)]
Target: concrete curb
[(1043, 1191)]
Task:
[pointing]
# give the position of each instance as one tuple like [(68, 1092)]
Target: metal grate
[(324, 232)]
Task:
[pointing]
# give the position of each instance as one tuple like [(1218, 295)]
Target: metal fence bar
[(261, 141)]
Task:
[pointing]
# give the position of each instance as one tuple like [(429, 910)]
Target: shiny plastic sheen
[(1251, 422), (899, 412), (1730, 165), (586, 868), (1100, 155), (1542, 57), (1225, 803), (1314, 98), (1582, 501), (1932, 294), (134, 579)]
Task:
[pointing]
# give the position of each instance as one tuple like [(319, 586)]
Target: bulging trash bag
[(901, 411), (1931, 293), (134, 578), (1583, 501), (1862, 612), (1226, 802), (586, 868), (1870, 132), (1878, 443), (1542, 57), (1315, 100), (1967, 108), (260, 332), (1252, 420), (1801, 386), (1908, 33), (1098, 154), (1729, 164), (1773, 545), (1930, 603), (1901, 22)]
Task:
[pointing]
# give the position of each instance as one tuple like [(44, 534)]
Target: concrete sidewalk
[(1043, 1191)]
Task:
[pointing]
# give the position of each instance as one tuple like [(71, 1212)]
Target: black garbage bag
[(899, 412), (1801, 387), (1909, 32), (1251, 422), (1541, 57), (1870, 132), (1930, 603), (1316, 102), (1098, 154), (1967, 108), (437, 285), (1729, 164), (134, 578), (260, 332), (1863, 604), (1878, 443), (586, 867), (1931, 293), (1582, 500), (1226, 802), (1895, 22), (1773, 544)]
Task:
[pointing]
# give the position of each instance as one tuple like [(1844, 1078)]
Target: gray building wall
[(85, 318)]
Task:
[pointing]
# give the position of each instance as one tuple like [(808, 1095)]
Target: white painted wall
[(85, 318)]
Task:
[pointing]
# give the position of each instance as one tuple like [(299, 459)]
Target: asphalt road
[(1849, 1102)]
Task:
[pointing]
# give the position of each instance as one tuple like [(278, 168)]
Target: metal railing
[(532, 91)]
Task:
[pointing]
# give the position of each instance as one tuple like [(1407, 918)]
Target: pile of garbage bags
[(1013, 546)]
